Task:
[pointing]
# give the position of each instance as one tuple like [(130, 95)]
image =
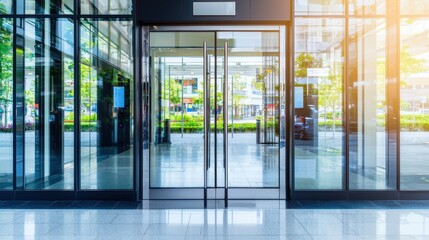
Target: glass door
[(215, 104), (249, 61)]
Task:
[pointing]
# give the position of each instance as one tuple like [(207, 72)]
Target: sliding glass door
[(216, 114)]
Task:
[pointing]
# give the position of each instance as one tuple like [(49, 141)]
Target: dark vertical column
[(146, 117), (19, 104), (345, 104), (290, 109), (393, 96), (105, 109), (77, 100), (138, 113), (159, 77), (39, 96)]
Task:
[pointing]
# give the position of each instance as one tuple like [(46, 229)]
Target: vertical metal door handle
[(206, 113), (225, 116)]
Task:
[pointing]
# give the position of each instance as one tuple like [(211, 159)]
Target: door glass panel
[(177, 108), (6, 104), (49, 121), (253, 108)]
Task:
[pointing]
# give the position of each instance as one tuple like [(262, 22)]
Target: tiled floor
[(122, 220)]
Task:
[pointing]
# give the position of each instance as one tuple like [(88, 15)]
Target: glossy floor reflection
[(181, 163), (261, 222)]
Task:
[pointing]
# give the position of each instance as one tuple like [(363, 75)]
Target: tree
[(238, 85), (172, 90), (305, 61)]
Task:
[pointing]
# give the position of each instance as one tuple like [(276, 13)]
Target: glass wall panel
[(367, 7), (367, 105), (6, 103), (49, 97), (414, 7), (318, 127), (45, 6), (106, 105), (5, 6), (414, 106), (106, 6), (319, 7)]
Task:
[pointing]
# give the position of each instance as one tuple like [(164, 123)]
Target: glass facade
[(106, 97), (118, 7), (414, 94), (6, 103), (367, 119), (48, 103), (45, 7), (66, 96), (318, 129), (355, 100)]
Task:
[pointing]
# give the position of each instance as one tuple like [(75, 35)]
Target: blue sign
[(118, 97), (299, 97)]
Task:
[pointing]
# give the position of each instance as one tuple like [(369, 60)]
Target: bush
[(416, 123), (84, 126), (7, 129)]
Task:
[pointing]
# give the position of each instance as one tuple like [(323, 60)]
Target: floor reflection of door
[(216, 103)]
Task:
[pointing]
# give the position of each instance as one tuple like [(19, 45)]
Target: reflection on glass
[(367, 7), (318, 127), (319, 7), (6, 104), (5, 6), (414, 106), (106, 105), (177, 98), (49, 98), (105, 7), (414, 7), (367, 101), (45, 7), (253, 108)]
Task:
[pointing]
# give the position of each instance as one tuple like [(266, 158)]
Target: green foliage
[(172, 90), (84, 126), (199, 100), (199, 128), (6, 62), (83, 118), (305, 61), (418, 122)]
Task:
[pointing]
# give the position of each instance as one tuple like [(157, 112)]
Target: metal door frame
[(227, 193)]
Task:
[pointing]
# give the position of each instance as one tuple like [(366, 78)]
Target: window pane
[(414, 106), (319, 137), (319, 7), (45, 7), (49, 112), (367, 7), (106, 105), (5, 6), (414, 7), (106, 7), (367, 101), (6, 104)]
